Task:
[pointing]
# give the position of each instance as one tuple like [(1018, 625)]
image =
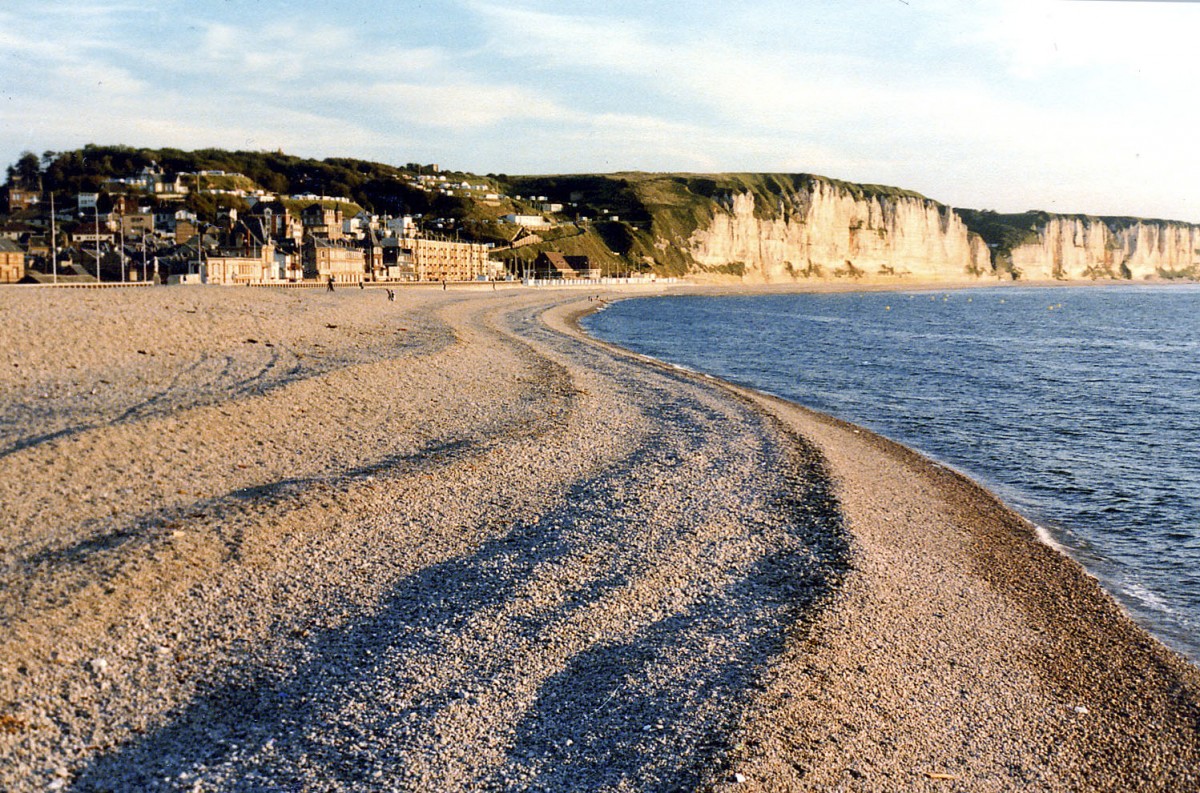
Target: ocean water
[(1080, 407)]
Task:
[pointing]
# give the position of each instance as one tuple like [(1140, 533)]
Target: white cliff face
[(1072, 248), (1165, 249), (1068, 248), (825, 232)]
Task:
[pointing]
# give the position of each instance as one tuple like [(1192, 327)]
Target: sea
[(1078, 406)]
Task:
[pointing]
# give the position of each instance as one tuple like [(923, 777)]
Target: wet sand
[(291, 539)]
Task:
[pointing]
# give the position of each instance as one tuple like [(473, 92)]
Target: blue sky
[(1063, 105)]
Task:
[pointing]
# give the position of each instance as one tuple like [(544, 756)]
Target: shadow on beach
[(462, 680)]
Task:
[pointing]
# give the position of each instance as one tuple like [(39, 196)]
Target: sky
[(1064, 105)]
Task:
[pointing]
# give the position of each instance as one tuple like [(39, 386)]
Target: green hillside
[(657, 213), (626, 222), (375, 186)]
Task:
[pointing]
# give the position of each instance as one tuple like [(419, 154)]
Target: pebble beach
[(268, 539)]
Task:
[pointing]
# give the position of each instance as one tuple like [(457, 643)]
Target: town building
[(277, 220), (231, 268), (166, 187), (36, 245), (185, 230), (12, 262), (445, 260), (396, 260), (551, 264), (15, 230), (20, 198), (137, 224), (528, 221), (322, 221), (372, 248), (325, 259), (86, 236), (404, 226)]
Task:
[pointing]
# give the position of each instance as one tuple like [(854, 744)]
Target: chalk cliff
[(772, 228), (1072, 247), (831, 231), (827, 231)]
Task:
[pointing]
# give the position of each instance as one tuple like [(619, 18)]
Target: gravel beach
[(268, 539)]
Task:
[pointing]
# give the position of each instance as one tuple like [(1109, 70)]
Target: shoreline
[(1040, 533), (1025, 540), (1044, 534), (1088, 651), (453, 542)]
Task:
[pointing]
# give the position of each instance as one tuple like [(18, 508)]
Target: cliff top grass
[(666, 187), (652, 208), (771, 191), (678, 203)]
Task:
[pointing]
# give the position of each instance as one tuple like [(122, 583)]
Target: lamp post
[(53, 241), (96, 217), (121, 245)]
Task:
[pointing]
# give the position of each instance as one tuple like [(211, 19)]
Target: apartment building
[(445, 260)]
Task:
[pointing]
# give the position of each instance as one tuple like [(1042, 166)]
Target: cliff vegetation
[(747, 226)]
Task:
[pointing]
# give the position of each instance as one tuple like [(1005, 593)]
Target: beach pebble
[(439, 557)]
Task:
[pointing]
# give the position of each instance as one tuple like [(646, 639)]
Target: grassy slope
[(659, 212)]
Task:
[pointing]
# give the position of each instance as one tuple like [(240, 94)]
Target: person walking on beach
[(391, 296), (443, 284), (331, 283)]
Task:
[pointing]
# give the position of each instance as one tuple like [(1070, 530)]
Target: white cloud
[(1028, 102), (186, 122), (453, 104), (554, 40)]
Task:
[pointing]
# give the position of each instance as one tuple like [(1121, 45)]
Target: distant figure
[(391, 296), (331, 283), (360, 285), (443, 284)]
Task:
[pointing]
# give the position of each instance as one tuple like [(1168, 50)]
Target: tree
[(26, 171)]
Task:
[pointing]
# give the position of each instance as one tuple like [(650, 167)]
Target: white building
[(528, 221), (402, 226)]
